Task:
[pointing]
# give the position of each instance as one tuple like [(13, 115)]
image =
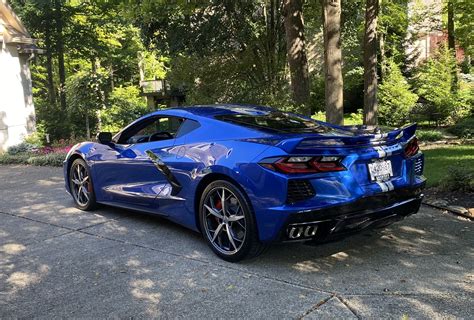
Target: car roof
[(223, 109)]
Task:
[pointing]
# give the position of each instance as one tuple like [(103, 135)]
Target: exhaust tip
[(298, 232)]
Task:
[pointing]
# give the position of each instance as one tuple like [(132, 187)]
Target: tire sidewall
[(251, 235)]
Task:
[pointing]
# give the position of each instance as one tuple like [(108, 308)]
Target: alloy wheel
[(224, 222), (81, 186)]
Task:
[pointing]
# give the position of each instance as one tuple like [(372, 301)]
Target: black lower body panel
[(340, 221)]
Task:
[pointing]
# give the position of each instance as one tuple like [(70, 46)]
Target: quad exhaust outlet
[(296, 232)]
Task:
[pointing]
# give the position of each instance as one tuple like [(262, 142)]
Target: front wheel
[(227, 222), (80, 184)]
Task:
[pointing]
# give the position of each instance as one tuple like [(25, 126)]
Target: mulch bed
[(448, 199)]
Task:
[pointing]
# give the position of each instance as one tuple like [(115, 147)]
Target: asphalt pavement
[(59, 262)]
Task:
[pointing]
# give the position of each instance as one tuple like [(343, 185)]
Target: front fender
[(82, 150)]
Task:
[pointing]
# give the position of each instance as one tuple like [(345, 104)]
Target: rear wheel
[(227, 222), (80, 184)]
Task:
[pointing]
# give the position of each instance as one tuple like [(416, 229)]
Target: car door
[(129, 173)]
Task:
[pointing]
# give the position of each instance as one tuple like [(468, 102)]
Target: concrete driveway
[(57, 262)]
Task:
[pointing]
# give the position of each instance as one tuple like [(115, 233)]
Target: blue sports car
[(247, 176)]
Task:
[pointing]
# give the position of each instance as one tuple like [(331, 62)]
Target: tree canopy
[(258, 51)]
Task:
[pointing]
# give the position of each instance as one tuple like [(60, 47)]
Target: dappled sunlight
[(12, 248), (153, 264), (341, 256), (411, 229), (3, 233), (133, 263), (307, 266), (408, 264), (199, 255), (143, 290), (13, 279), (421, 255), (137, 267), (115, 228), (410, 306), (48, 183), (20, 280)]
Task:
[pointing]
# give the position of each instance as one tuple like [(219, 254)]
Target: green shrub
[(459, 178), (354, 118), (464, 128), (37, 138), (395, 97), (349, 119), (126, 105), (52, 159), (23, 147), (317, 102), (320, 116), (435, 83), (429, 135), (21, 158)]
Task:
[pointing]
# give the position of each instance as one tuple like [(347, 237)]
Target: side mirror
[(104, 137)]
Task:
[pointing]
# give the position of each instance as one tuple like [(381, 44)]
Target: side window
[(153, 129), (187, 126)]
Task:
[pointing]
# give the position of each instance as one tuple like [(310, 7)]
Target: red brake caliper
[(218, 206)]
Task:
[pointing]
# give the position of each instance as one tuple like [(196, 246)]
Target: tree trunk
[(49, 64), (370, 62), (452, 41), (60, 53), (88, 130), (333, 61), (383, 63), (296, 53)]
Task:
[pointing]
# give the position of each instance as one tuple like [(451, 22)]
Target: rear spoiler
[(359, 137)]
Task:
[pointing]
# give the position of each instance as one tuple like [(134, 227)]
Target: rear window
[(276, 122)]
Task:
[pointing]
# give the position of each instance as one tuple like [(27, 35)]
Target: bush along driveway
[(26, 153)]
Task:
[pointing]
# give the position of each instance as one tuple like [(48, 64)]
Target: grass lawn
[(439, 158)]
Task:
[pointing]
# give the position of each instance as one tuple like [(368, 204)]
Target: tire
[(237, 236), (81, 187)]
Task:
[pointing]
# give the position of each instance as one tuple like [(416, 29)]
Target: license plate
[(380, 170)]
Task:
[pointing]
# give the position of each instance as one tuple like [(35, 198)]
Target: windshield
[(276, 122)]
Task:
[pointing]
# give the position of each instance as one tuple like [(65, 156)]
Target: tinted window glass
[(276, 122), (187, 127), (152, 129)]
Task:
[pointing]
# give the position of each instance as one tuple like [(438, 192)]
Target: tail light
[(412, 147), (305, 164)]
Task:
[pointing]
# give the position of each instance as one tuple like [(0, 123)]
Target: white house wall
[(17, 116)]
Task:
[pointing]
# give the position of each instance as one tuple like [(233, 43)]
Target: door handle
[(163, 168)]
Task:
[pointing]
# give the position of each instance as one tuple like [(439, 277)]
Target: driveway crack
[(344, 302), (38, 221), (315, 307)]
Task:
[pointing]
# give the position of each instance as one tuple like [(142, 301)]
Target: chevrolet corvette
[(248, 176)]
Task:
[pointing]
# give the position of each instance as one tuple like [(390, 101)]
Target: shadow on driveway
[(56, 261)]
